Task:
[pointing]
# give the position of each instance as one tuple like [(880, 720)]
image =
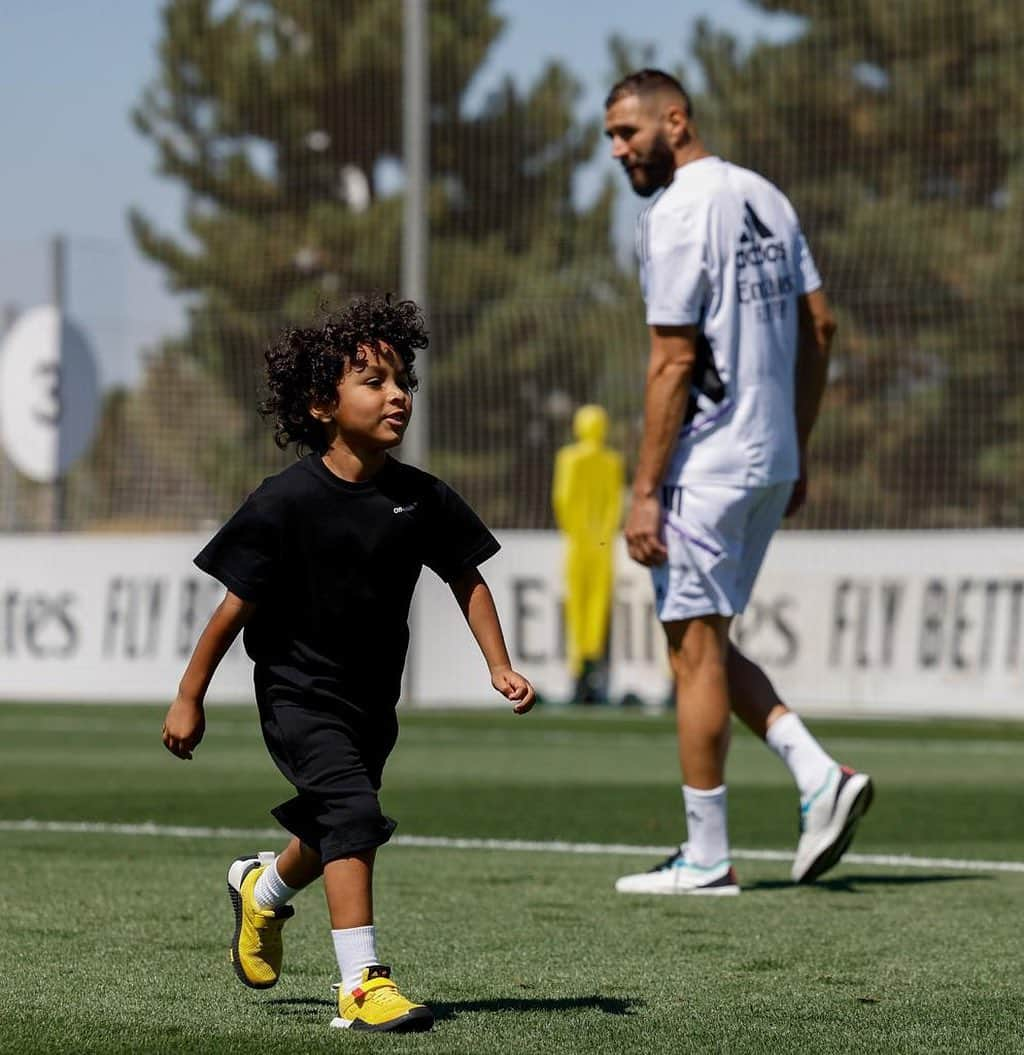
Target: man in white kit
[(740, 331)]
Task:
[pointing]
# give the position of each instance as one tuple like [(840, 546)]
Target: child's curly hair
[(306, 364)]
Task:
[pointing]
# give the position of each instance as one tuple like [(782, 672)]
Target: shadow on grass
[(306, 1006), (855, 884), (607, 1005)]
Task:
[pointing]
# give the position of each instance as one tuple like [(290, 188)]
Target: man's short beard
[(658, 167)]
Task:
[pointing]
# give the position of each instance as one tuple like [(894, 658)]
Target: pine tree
[(281, 116), (895, 130)]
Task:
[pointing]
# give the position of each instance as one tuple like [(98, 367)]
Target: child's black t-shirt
[(332, 565)]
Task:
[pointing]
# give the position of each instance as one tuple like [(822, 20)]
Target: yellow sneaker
[(376, 1005), (256, 948)]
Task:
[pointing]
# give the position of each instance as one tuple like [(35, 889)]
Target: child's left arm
[(477, 606)]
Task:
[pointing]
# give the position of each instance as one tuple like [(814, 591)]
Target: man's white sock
[(807, 760), (707, 839), (356, 948), (271, 891)]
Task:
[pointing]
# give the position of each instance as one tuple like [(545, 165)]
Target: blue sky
[(70, 71)]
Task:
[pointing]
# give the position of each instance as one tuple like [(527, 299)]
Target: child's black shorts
[(333, 753)]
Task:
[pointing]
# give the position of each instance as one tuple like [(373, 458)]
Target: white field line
[(441, 842)]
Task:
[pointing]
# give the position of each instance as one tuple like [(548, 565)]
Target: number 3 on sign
[(47, 408), (49, 394)]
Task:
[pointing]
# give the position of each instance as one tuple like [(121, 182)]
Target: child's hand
[(184, 726), (514, 687)]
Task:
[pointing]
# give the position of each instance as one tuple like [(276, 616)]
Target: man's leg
[(697, 652), (758, 706), (751, 695), (833, 798)]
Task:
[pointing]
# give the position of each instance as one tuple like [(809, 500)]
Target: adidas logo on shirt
[(754, 248)]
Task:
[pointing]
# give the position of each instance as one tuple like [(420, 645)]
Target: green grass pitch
[(117, 942)]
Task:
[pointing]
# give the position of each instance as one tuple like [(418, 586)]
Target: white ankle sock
[(807, 760), (707, 839), (271, 891), (356, 948)]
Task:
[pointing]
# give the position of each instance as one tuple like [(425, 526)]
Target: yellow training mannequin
[(587, 499)]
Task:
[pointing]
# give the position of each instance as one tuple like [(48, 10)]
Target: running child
[(320, 563)]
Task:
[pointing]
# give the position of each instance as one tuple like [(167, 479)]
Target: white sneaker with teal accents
[(677, 875), (828, 821)]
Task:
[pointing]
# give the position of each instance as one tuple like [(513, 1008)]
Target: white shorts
[(717, 537)]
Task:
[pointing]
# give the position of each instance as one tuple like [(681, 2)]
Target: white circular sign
[(49, 394)]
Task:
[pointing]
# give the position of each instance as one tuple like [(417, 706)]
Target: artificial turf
[(117, 942)]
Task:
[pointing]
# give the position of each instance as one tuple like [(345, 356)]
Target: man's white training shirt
[(721, 248)]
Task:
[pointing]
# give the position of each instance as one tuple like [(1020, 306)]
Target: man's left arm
[(817, 327), (667, 390)]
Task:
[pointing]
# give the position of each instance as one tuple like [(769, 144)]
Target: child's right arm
[(185, 722)]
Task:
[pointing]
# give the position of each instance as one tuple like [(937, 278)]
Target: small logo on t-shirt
[(756, 227), (755, 249), (404, 509), (769, 288)]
